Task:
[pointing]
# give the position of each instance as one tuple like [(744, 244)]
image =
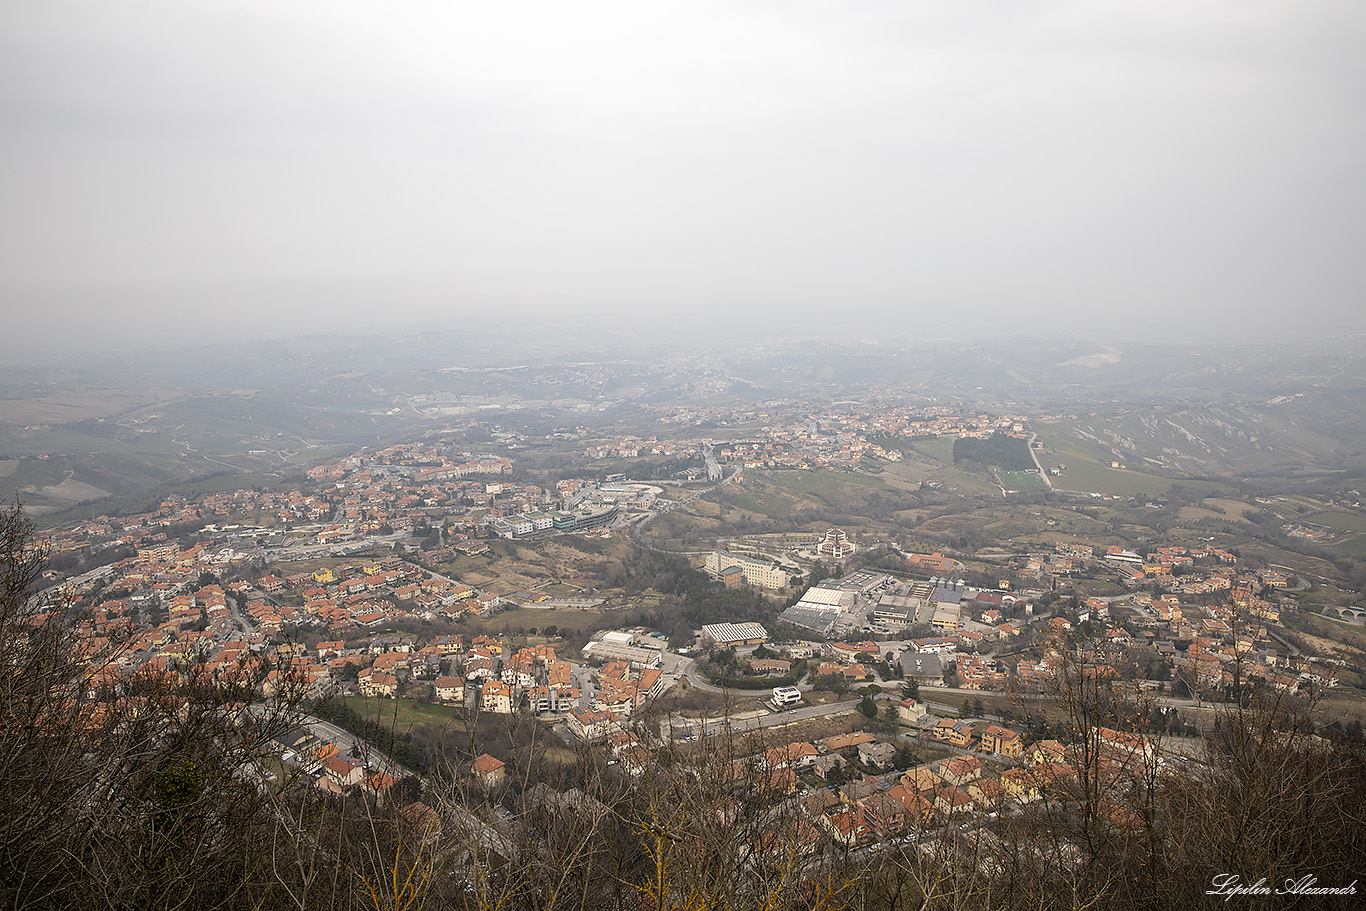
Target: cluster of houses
[(1173, 568), (842, 438), (333, 771), (198, 631), (631, 447), (1205, 642), (879, 804), (373, 593), (417, 485), (486, 673), (883, 806), (180, 620), (872, 799), (494, 677), (148, 531)]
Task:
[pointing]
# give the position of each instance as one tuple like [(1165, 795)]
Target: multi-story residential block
[(755, 572)]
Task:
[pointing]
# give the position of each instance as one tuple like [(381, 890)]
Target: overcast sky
[(1183, 167)]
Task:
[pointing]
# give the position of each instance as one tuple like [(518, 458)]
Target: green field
[(998, 449), (1093, 477), (1215, 508), (1324, 593), (780, 496), (1353, 545), (66, 407), (823, 481), (940, 449), (746, 500), (400, 715), (1343, 703), (1346, 521), (35, 473), (1016, 479), (1085, 473)]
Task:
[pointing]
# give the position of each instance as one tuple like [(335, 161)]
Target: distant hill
[(125, 424)]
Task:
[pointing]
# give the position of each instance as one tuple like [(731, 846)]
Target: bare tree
[(143, 789)]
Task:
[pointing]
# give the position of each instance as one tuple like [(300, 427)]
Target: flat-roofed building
[(513, 527), (895, 609), (820, 608), (729, 634), (829, 597), (948, 609), (946, 617), (819, 621), (865, 582), (923, 668), (611, 648)]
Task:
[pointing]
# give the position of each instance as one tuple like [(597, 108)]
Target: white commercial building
[(724, 634), (614, 645)]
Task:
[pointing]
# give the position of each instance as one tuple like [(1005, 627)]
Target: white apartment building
[(756, 572)]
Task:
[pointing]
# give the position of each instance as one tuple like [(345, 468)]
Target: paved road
[(636, 527), (689, 671), (1034, 454), (350, 743), (714, 472), (347, 743)]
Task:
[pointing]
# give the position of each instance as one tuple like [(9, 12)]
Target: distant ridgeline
[(999, 450)]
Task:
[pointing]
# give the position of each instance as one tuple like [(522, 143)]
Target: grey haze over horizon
[(183, 170)]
